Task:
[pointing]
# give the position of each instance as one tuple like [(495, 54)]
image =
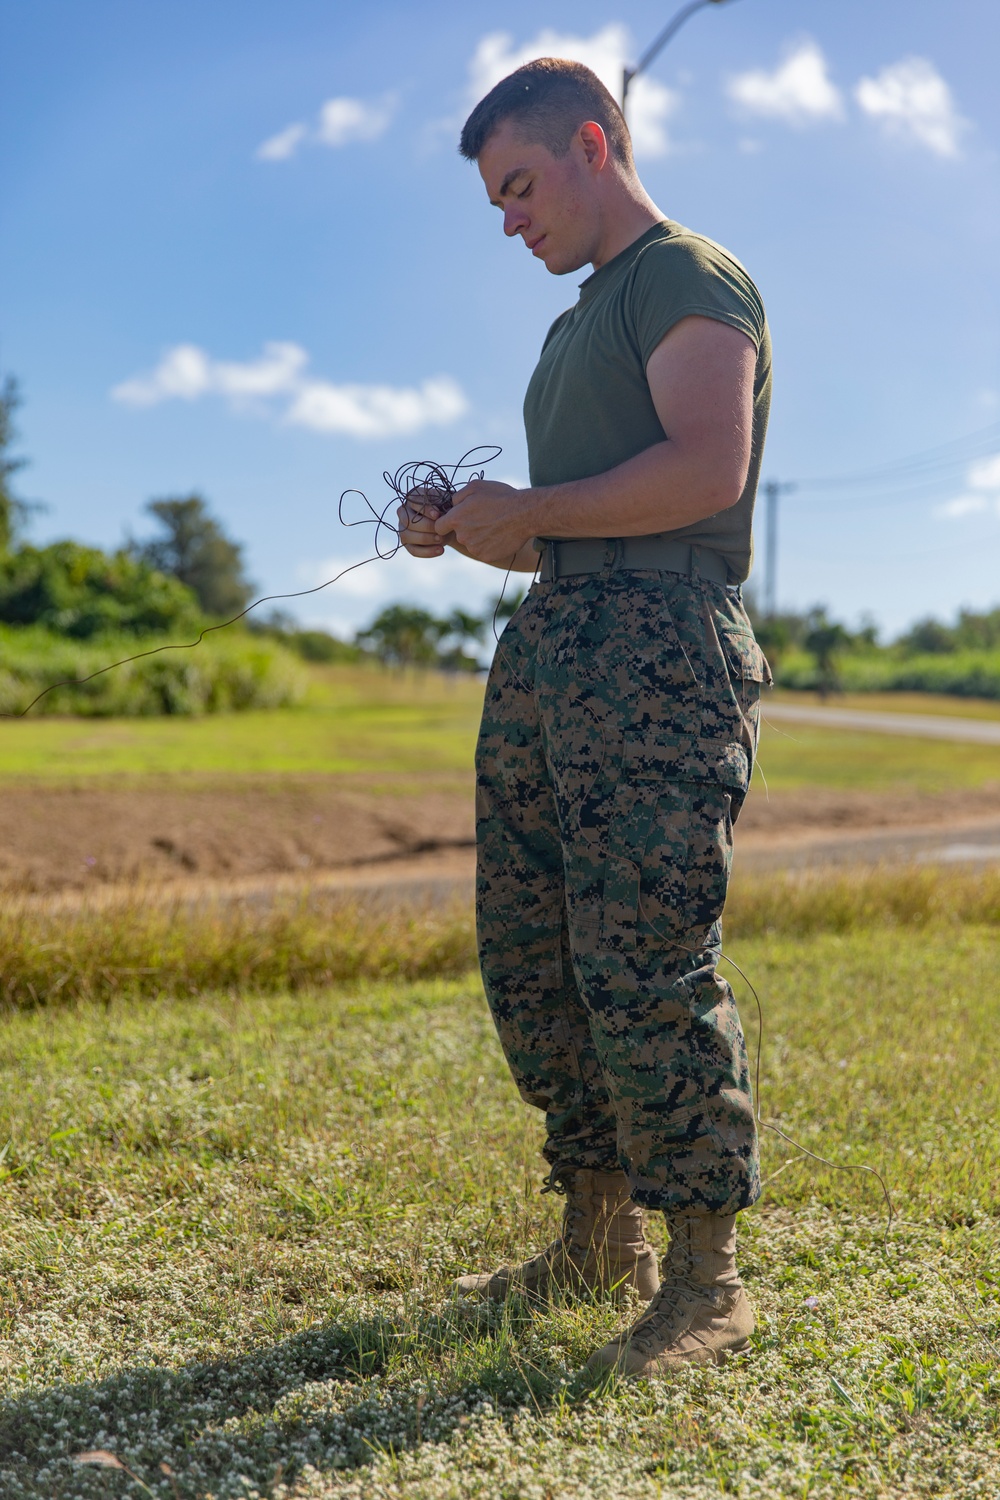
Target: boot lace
[(673, 1305), (573, 1213), (670, 1312)]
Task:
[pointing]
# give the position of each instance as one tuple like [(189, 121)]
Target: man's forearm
[(658, 490), (666, 486)]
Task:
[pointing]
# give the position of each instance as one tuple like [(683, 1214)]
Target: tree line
[(814, 651)]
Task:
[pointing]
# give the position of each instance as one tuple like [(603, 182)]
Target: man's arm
[(701, 381)]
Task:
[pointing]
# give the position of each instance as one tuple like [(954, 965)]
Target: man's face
[(550, 201)]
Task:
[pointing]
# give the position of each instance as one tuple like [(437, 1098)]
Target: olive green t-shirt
[(588, 406)]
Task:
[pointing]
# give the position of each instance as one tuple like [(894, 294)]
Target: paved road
[(923, 726), (970, 844)]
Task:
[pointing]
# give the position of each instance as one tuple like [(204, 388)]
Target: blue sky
[(239, 253)]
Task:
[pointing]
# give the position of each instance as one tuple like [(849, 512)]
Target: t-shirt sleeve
[(681, 278)]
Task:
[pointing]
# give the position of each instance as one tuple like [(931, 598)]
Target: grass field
[(356, 719), (897, 703), (385, 724), (804, 755), (230, 1223)]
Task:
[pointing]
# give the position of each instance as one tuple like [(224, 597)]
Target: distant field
[(358, 719), (361, 720), (802, 755)]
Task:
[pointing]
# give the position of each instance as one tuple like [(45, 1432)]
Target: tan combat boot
[(602, 1247), (699, 1316)]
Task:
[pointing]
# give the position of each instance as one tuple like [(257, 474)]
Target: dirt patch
[(823, 809), (71, 838), (68, 838)]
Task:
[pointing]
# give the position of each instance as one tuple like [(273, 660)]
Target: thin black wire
[(433, 483)]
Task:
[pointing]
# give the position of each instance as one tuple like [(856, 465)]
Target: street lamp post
[(661, 41)]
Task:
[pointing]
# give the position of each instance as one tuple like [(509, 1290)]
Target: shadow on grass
[(333, 1397)]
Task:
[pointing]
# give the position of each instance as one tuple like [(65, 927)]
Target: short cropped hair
[(548, 100)]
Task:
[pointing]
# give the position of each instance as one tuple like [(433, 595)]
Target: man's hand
[(416, 520), (488, 521)]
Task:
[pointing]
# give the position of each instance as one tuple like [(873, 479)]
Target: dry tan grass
[(147, 945), (152, 943)]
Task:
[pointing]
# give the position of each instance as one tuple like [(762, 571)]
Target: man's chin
[(563, 265)]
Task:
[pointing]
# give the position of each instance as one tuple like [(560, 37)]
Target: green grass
[(358, 719), (230, 1223), (362, 720), (803, 755)]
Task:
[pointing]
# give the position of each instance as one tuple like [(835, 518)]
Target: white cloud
[(912, 100), (650, 104), (283, 145), (182, 372), (376, 410), (345, 120), (963, 505), (798, 91), (338, 122), (187, 373), (983, 480), (985, 475)]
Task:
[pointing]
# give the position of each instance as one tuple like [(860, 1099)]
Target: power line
[(954, 454), (916, 476)]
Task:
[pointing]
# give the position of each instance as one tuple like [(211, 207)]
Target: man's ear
[(594, 143)]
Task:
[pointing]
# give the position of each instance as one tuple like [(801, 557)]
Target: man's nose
[(514, 219)]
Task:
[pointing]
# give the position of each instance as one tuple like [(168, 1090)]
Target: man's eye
[(525, 191)]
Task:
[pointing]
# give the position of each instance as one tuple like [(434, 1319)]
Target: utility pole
[(656, 46), (773, 489)]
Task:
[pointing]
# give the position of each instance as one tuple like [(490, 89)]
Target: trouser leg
[(648, 747), (543, 1025)]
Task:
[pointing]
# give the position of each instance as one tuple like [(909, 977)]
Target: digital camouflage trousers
[(618, 735)]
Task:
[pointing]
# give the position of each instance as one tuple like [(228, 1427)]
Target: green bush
[(82, 592), (317, 646), (226, 673), (964, 674)]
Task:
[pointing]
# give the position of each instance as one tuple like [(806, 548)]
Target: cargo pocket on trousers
[(668, 864), (747, 665)]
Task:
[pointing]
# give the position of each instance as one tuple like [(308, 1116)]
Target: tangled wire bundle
[(432, 483)]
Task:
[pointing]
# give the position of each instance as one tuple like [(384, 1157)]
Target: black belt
[(562, 559)]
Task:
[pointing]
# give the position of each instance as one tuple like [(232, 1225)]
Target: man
[(620, 721)]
